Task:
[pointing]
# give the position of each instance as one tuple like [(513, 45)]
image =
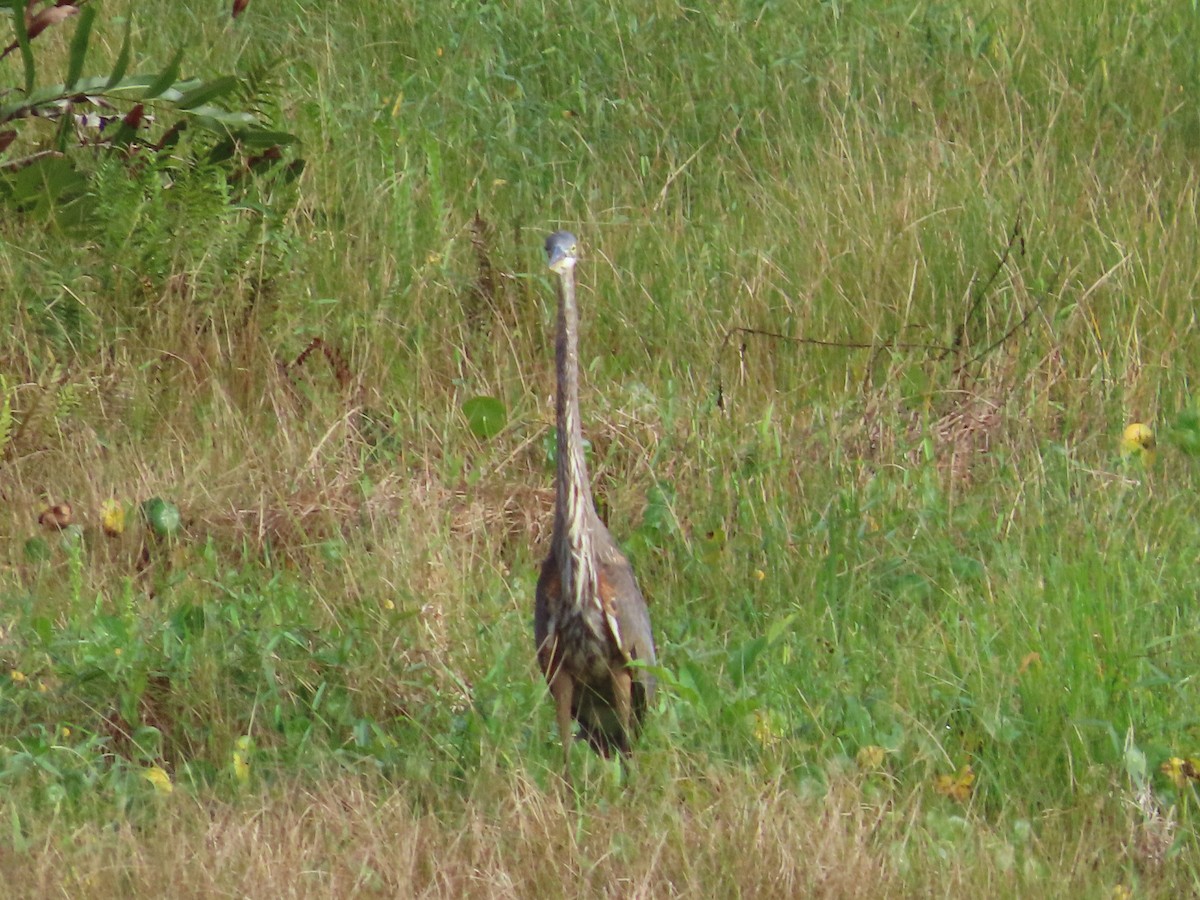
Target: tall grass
[(922, 629)]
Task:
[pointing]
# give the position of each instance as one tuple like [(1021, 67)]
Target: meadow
[(869, 293)]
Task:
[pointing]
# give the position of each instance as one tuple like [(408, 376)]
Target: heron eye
[(574, 249)]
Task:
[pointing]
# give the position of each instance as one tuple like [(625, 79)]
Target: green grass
[(936, 553)]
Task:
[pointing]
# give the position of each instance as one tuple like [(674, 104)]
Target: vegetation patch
[(888, 386)]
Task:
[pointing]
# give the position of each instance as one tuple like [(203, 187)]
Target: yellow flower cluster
[(1181, 771), (956, 786), (870, 758)]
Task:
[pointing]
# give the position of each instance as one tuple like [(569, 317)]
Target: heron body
[(590, 620)]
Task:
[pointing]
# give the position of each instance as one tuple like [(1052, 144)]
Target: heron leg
[(622, 680), (562, 689)]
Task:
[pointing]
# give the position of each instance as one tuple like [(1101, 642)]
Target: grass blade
[(118, 71), (168, 77), (207, 91), (18, 15), (79, 45)]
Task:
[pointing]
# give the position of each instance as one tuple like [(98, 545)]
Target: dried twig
[(1016, 239), (1017, 327), (816, 342), (1015, 236)]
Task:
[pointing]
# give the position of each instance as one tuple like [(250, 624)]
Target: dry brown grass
[(720, 835), (343, 840)]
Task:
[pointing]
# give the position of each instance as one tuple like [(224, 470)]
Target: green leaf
[(207, 91), (245, 135), (188, 620), (18, 15), (79, 44), (965, 568), (219, 120), (261, 138), (46, 182), (162, 516), (57, 92), (1185, 434), (780, 628), (43, 627), (16, 837), (118, 71), (1135, 765), (222, 151), (743, 658), (693, 683), (37, 550), (293, 170), (486, 416), (166, 78), (658, 517), (71, 537)]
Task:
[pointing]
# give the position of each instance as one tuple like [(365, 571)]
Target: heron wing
[(627, 615)]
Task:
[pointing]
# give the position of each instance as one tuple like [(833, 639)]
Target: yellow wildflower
[(112, 518), (1179, 771), (956, 786), (241, 758), (870, 758), (158, 777), (1138, 442), (766, 728)]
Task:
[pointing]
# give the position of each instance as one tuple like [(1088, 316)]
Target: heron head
[(562, 252)]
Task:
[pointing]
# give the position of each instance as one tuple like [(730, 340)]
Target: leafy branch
[(112, 110)]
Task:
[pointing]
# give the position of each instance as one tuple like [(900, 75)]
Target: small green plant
[(132, 115), (486, 416), (161, 517), (1185, 432)]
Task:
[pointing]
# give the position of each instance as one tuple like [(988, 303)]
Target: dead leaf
[(50, 16), (35, 24), (56, 517), (133, 118)]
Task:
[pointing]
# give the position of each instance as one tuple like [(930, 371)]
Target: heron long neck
[(573, 509)]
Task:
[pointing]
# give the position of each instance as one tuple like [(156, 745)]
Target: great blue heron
[(590, 620)]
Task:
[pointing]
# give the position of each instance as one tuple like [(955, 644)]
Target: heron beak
[(561, 261)]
